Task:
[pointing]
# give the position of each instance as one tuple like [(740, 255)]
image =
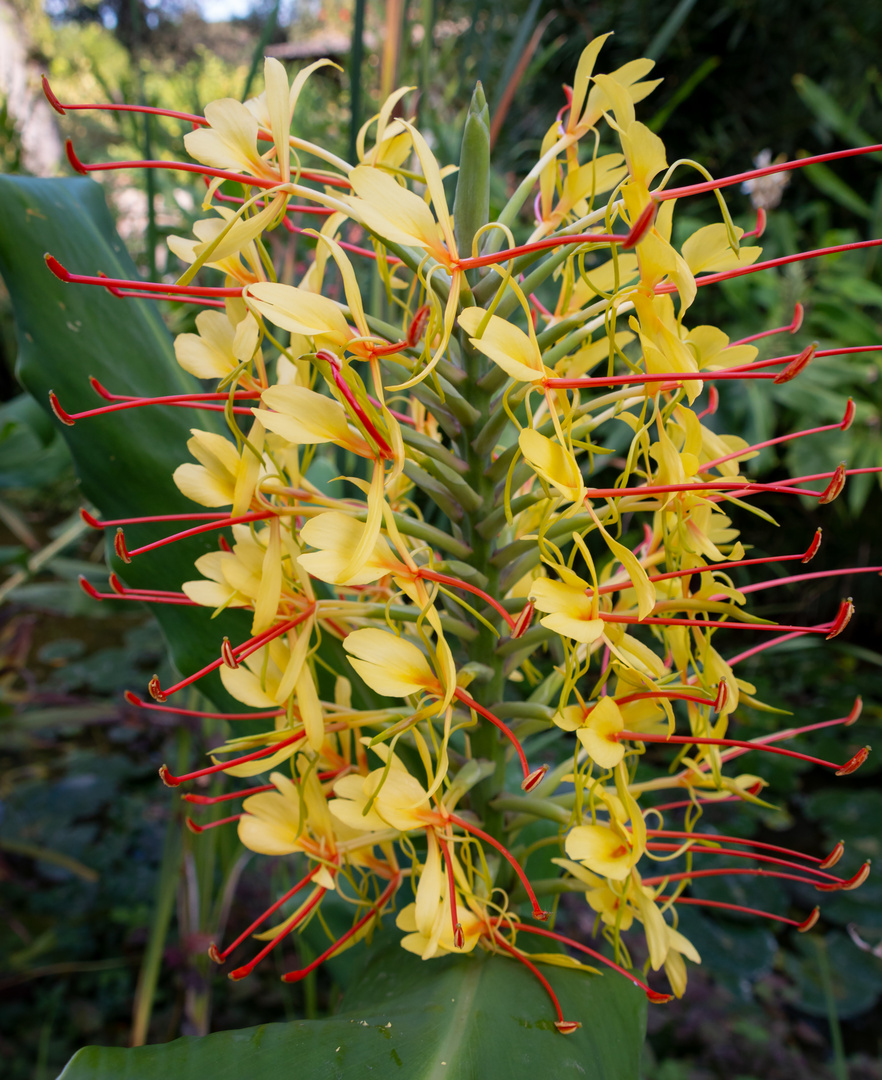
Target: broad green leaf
[(467, 1018), (124, 460)]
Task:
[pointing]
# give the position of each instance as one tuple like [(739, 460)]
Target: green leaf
[(831, 185), (461, 1018), (124, 461)]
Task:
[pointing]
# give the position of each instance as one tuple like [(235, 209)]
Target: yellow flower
[(571, 612), (337, 537), (224, 476), (608, 850), (304, 417), (219, 347), (596, 729), (393, 666), (386, 798)]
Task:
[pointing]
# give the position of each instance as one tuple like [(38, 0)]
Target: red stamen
[(91, 520), (798, 314), (149, 109), (834, 856), (173, 781), (538, 913), (201, 170), (760, 226), (711, 624), (246, 969), (855, 763), (418, 325), (758, 586), (458, 935), (239, 651), (734, 854), (812, 548), (850, 410), (227, 654), (534, 779), (841, 425), (691, 900), (565, 1027), (456, 583), (843, 618), (462, 696), (744, 744), (344, 388), (653, 995), (197, 530), (367, 253), (210, 800), (120, 403), (752, 371), (852, 883), (133, 699), (809, 554), (738, 872), (739, 841), (375, 909), (713, 402), (797, 365), (522, 622), (194, 828), (810, 921), (220, 957), (635, 234), (63, 416), (119, 546), (145, 286), (145, 596), (784, 260), (755, 174), (834, 488)]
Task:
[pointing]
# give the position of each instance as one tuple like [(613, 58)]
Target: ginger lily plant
[(529, 551)]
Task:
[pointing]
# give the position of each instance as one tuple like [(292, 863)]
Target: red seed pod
[(810, 921), (834, 488), (843, 618), (833, 858), (63, 416), (534, 779), (812, 549), (849, 415), (853, 764), (119, 546), (797, 364), (567, 1027), (856, 710), (523, 621), (227, 654)]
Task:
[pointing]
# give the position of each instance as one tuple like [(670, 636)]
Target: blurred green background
[(105, 900)]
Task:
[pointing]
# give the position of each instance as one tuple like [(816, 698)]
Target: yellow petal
[(707, 250), (277, 106), (390, 665), (299, 311), (506, 344), (553, 463), (601, 849), (598, 733), (392, 211), (204, 487)]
